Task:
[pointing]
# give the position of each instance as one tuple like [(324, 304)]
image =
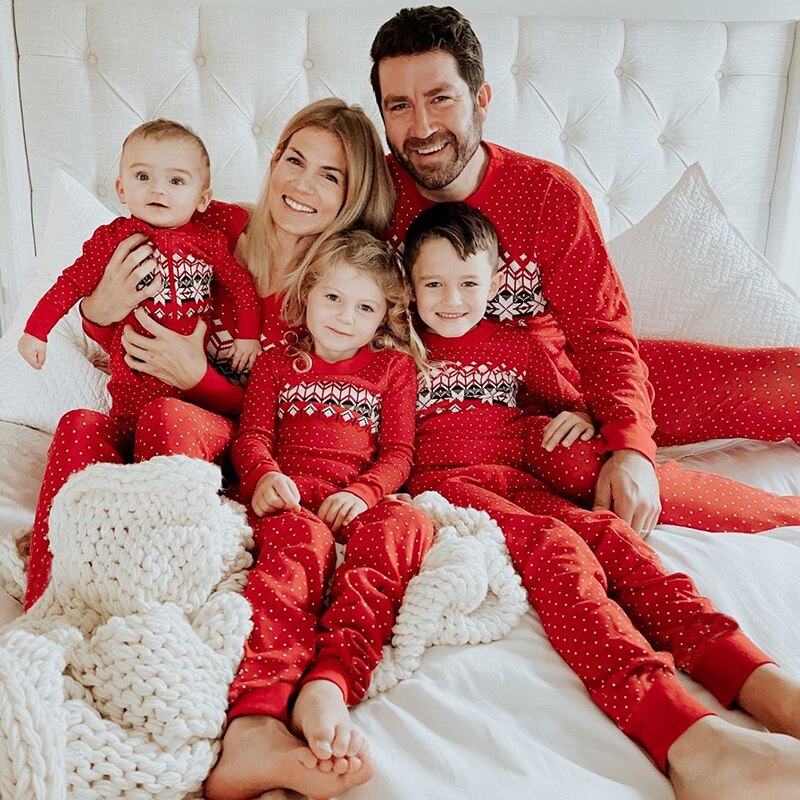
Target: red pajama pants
[(612, 612), (295, 638), (166, 427), (691, 498)]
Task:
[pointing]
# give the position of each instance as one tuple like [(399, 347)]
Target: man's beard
[(438, 176)]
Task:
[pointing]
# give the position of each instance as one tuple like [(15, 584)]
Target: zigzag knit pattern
[(114, 685)]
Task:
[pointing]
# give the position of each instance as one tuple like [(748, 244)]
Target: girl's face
[(343, 312), (451, 294), (307, 184)]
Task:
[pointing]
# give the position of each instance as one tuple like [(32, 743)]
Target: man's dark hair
[(467, 229), (427, 28)]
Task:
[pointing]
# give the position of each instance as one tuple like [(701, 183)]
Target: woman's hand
[(173, 358), (121, 289)]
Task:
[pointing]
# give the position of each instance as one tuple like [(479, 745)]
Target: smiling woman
[(328, 174)]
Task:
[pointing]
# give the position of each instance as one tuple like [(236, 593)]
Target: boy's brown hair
[(467, 229)]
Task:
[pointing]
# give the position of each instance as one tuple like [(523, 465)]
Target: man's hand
[(275, 492), (339, 509), (628, 486)]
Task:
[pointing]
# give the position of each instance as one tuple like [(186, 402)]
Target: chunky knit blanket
[(115, 684)]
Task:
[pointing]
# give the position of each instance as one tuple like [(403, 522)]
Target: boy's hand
[(244, 354), (340, 508), (275, 492), (566, 429), (33, 350)]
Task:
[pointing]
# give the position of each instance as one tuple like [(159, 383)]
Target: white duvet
[(508, 719)]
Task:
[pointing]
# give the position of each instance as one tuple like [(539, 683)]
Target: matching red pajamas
[(188, 259), (559, 282), (347, 426), (164, 426), (611, 610)]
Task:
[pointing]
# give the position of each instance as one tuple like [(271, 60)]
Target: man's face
[(433, 123)]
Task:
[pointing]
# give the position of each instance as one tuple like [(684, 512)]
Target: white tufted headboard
[(625, 105)]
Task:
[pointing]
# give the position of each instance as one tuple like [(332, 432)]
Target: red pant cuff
[(664, 713), (272, 701), (330, 669), (725, 663)]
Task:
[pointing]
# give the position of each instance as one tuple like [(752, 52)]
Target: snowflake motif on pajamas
[(521, 292), (332, 399), (192, 280), (456, 385)]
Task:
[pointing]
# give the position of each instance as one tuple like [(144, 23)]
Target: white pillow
[(70, 377), (691, 275)]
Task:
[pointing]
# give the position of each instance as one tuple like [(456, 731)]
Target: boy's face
[(163, 181), (450, 294)]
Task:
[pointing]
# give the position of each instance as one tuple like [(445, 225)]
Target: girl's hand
[(33, 350), (173, 358), (244, 353), (566, 429), (340, 508), (275, 492), (120, 289)]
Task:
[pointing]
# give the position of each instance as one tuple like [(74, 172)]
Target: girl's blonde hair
[(369, 255), (369, 193)]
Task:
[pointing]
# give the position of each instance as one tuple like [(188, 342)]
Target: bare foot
[(259, 754), (321, 717), (772, 697), (714, 759)]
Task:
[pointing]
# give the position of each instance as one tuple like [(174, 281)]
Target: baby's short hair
[(467, 229), (161, 128)]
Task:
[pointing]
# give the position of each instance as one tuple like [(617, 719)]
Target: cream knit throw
[(115, 684)]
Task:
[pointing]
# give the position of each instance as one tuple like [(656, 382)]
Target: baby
[(164, 178)]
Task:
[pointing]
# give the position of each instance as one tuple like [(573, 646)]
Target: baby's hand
[(275, 492), (33, 350), (340, 508), (566, 428), (244, 353)]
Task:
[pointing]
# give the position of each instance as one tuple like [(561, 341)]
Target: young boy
[(164, 178), (470, 438)]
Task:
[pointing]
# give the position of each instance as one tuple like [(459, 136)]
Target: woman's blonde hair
[(369, 194), (369, 255)]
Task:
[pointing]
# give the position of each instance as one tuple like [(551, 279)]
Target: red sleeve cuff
[(43, 319), (364, 492), (216, 393), (627, 436), (249, 481), (248, 324)]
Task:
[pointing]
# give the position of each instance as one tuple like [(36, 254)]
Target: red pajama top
[(350, 424), (559, 282), (482, 385)]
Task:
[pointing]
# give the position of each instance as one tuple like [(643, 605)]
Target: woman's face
[(307, 184)]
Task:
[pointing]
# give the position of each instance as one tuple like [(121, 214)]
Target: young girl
[(326, 433), (611, 610)]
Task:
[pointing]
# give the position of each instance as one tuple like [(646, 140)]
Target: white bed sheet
[(509, 719)]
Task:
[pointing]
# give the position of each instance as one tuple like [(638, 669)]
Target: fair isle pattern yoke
[(452, 384), (332, 399)]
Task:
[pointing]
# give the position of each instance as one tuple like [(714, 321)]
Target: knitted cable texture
[(467, 591), (115, 683)]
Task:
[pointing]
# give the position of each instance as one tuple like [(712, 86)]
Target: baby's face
[(163, 181), (451, 294)]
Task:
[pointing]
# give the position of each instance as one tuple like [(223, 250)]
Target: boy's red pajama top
[(344, 426), (605, 600), (558, 280), (188, 259)]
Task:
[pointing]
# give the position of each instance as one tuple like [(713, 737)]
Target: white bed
[(627, 106)]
